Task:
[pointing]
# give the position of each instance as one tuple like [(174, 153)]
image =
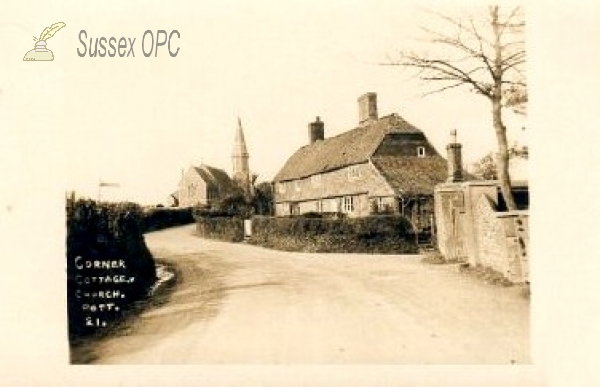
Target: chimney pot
[(367, 108), (455, 170), (316, 131)]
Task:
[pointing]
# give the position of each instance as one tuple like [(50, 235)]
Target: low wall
[(470, 229), (515, 227)]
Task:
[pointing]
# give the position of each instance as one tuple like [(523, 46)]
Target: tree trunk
[(500, 129), (502, 160)]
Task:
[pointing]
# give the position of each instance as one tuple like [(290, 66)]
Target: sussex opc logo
[(40, 51)]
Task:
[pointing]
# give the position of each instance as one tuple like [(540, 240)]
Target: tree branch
[(515, 56), (481, 52), (514, 83), (443, 89), (446, 69), (506, 23)]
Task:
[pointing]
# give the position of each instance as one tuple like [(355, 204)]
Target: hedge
[(159, 218), (110, 234), (373, 234), (230, 229)]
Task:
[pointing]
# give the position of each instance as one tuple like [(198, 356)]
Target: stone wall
[(516, 232), (470, 229), (192, 189), (491, 249)]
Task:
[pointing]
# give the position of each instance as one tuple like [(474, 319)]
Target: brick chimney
[(316, 131), (455, 170), (367, 109)]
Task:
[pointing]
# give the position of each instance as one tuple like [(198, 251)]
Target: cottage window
[(380, 205), (297, 185), (421, 151), (281, 187), (294, 209), (348, 203), (315, 180), (353, 172)]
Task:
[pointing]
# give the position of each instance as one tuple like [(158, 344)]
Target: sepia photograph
[(303, 188), (332, 188)]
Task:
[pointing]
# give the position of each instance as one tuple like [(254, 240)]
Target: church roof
[(214, 176), (351, 147)]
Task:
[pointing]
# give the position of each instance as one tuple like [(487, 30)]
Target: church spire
[(240, 156), (239, 145)]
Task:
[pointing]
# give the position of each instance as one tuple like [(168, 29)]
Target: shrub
[(159, 218), (229, 229), (312, 215), (373, 234), (102, 232)]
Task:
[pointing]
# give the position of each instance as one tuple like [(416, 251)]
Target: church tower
[(239, 156)]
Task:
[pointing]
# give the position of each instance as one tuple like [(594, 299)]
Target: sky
[(137, 121)]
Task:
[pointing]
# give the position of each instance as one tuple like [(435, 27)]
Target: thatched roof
[(352, 147)]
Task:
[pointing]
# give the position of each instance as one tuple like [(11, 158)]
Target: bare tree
[(486, 55)]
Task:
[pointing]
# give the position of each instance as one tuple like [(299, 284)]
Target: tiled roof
[(215, 176), (412, 175), (352, 147)]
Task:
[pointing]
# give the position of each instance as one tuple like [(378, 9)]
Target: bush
[(229, 229), (161, 217), (312, 215), (104, 232), (373, 234)]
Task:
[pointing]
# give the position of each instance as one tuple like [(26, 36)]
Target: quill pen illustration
[(50, 31), (40, 52)]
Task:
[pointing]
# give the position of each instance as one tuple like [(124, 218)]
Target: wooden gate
[(459, 246), (454, 219)]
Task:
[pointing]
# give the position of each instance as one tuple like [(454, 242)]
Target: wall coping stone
[(445, 187), (509, 214)]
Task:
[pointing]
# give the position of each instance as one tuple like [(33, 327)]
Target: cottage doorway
[(419, 212)]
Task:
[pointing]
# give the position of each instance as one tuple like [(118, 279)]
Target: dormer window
[(421, 151)]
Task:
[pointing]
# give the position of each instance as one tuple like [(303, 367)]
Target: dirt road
[(237, 303)]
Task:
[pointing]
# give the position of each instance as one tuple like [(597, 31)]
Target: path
[(237, 303)]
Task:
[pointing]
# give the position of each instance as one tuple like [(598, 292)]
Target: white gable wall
[(192, 189)]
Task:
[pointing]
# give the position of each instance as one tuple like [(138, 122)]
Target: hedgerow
[(230, 229), (100, 233), (373, 234), (158, 218)]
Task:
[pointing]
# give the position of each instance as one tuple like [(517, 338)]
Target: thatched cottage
[(383, 165)]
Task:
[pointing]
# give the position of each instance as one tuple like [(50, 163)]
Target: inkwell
[(40, 52)]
